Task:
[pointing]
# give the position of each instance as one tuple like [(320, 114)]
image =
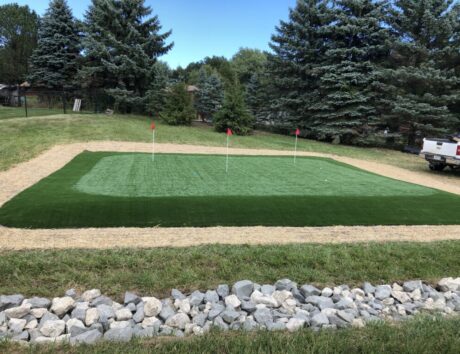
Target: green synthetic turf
[(103, 189), (137, 175)]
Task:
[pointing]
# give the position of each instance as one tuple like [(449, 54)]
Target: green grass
[(418, 336), (156, 271), (23, 139), (19, 112), (103, 189), (178, 175)]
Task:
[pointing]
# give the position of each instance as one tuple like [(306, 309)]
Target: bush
[(234, 113), (178, 108)]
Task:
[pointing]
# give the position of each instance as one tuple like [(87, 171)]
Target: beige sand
[(18, 239), (26, 174)]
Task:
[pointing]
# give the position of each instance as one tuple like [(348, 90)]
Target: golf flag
[(297, 133), (152, 126), (229, 134)]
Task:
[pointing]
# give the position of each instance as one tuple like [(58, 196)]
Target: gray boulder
[(319, 320), (383, 292), (263, 316), (196, 298), (220, 324), (131, 298), (369, 288), (285, 284), (267, 290), (89, 337), (101, 300), (223, 290), (177, 294), (211, 296), (230, 315), (9, 301), (243, 289), (309, 290), (321, 302), (119, 334), (38, 302), (412, 285)]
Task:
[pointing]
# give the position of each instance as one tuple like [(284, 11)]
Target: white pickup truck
[(441, 153)]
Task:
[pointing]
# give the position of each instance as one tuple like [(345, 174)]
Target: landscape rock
[(383, 292), (233, 301), (16, 325), (223, 290), (90, 295), (294, 324), (179, 320), (9, 301), (53, 328), (119, 334), (152, 306), (243, 289), (38, 302), (18, 311), (89, 337), (61, 305), (309, 290)]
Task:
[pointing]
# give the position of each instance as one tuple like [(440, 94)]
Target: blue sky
[(204, 27)]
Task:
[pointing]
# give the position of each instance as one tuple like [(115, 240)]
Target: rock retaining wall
[(91, 316)]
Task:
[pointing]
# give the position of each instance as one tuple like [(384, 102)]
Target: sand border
[(26, 174)]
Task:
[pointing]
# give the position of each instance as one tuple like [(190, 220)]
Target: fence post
[(25, 105)]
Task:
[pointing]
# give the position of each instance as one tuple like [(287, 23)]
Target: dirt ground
[(28, 173)]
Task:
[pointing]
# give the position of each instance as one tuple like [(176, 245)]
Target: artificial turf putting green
[(100, 189)]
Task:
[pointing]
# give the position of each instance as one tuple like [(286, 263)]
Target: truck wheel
[(437, 166)]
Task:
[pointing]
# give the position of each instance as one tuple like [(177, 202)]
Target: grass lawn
[(418, 336), (23, 139), (19, 112), (103, 189), (155, 272)]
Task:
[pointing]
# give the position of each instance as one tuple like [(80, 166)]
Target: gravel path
[(27, 174)]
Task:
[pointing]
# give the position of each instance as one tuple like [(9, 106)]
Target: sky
[(204, 27)]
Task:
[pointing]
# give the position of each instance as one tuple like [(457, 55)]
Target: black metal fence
[(35, 102)]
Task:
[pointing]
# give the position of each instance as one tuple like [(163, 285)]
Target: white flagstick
[(153, 145), (295, 149), (226, 163)]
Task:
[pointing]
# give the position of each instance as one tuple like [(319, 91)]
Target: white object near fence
[(77, 105)]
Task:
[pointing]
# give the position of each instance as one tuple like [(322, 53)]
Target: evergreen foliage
[(247, 62), (178, 107), (54, 63), (299, 50), (424, 88), (156, 95), (18, 39), (234, 113), (209, 98), (122, 42), (351, 71)]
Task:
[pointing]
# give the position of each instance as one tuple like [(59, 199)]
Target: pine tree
[(54, 63), (209, 98), (423, 83), (18, 39), (299, 49), (178, 108), (122, 43), (350, 77), (234, 114), (156, 95)]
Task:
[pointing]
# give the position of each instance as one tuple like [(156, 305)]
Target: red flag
[(297, 132), (229, 132), (152, 126)]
